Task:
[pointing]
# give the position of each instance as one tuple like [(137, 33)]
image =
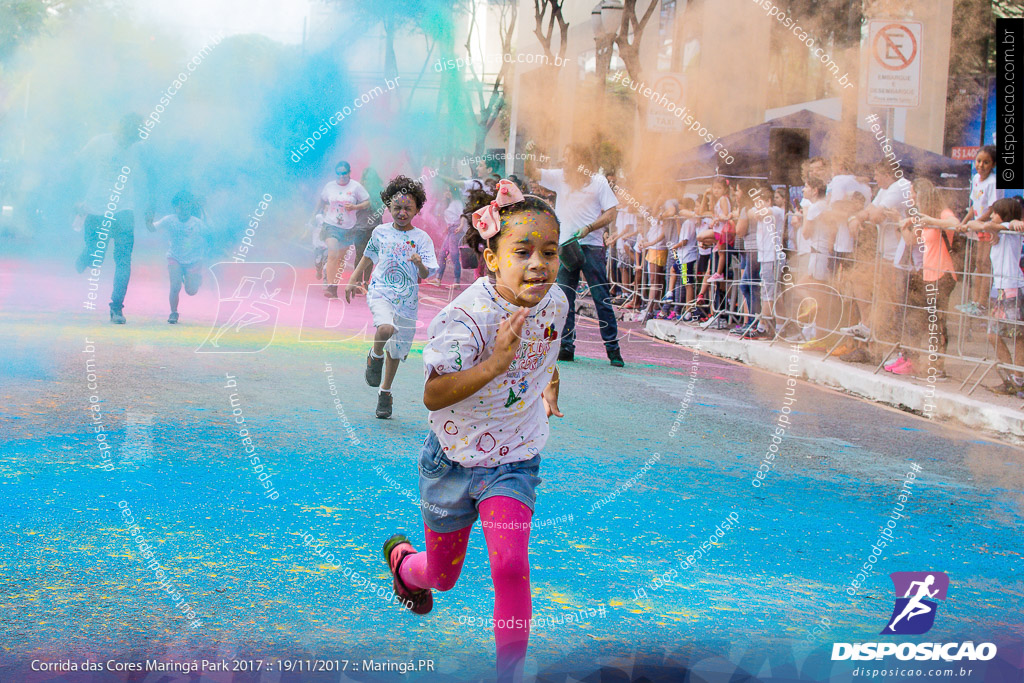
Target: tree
[(394, 17), (23, 20), (632, 27), (547, 14), (841, 22), (489, 102), (542, 17)]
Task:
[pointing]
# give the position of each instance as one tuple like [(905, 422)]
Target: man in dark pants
[(113, 168), (585, 206)]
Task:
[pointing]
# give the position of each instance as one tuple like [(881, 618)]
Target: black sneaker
[(117, 317), (569, 356), (374, 368), (385, 401), (615, 358), (173, 318)]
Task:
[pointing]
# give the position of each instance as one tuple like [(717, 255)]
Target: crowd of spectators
[(861, 262)]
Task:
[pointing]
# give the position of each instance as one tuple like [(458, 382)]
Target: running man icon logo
[(914, 612), (250, 298)]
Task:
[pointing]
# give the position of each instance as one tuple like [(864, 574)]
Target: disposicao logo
[(914, 614)]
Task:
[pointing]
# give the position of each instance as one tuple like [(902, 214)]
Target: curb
[(853, 379)]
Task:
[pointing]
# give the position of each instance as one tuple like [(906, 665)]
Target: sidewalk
[(982, 410)]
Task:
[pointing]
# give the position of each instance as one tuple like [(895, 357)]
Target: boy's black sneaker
[(569, 356), (117, 317), (374, 368), (615, 358), (385, 402)]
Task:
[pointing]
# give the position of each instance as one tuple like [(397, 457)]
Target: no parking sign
[(894, 63)]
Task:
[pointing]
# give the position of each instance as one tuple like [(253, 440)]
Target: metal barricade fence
[(903, 312)]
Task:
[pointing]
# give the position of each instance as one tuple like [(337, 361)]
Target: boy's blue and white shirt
[(395, 278)]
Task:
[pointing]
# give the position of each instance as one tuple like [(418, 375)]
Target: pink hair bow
[(486, 220)]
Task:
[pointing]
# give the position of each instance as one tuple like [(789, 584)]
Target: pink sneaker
[(716, 277), (904, 369), (672, 316)]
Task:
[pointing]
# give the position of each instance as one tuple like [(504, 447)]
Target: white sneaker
[(860, 331)]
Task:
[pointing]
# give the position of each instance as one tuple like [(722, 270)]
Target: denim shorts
[(450, 493)]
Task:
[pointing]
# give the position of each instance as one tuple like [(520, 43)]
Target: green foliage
[(20, 21)]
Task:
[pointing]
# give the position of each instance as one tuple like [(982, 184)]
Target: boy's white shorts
[(383, 312)]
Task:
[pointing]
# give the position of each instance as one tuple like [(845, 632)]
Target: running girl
[(491, 386), (401, 256), (186, 235)]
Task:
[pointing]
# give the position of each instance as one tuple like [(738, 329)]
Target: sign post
[(894, 65), (659, 118)]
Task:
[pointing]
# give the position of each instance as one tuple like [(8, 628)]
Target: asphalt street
[(648, 461)]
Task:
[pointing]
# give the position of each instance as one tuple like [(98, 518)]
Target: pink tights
[(508, 542)]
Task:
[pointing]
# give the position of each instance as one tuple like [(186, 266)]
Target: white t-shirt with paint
[(576, 208), (335, 194), (505, 421), (395, 278)]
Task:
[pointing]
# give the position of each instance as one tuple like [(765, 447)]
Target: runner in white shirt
[(186, 235), (339, 203), (401, 255)]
